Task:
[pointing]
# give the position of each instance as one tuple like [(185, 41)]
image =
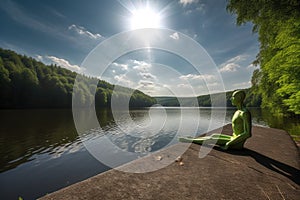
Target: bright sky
[(64, 32)]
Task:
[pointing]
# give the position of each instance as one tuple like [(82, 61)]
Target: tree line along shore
[(28, 83)]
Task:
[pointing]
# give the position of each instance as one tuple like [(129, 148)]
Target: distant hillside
[(28, 83), (251, 100)]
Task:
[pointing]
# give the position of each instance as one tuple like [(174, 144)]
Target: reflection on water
[(25, 133), (140, 132), (40, 150), (291, 125)]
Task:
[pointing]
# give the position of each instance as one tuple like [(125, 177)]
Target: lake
[(41, 151)]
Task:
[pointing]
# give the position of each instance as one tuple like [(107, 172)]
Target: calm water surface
[(40, 150)]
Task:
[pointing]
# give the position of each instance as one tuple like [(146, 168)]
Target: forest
[(277, 24), (252, 100), (28, 83)]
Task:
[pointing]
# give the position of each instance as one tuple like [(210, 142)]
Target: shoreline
[(264, 170)]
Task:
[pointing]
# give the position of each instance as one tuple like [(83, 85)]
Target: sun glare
[(145, 18)]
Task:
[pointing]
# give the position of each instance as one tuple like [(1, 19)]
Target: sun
[(145, 18)]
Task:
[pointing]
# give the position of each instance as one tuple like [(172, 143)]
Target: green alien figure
[(241, 126)]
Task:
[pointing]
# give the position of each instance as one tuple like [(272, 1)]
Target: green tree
[(4, 85), (27, 83), (101, 98), (278, 26)]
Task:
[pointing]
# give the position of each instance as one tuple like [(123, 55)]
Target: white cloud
[(152, 88), (182, 85), (175, 36), (137, 62), (159, 80), (141, 65), (122, 66), (147, 75), (39, 57), (231, 67), (233, 64), (237, 59), (197, 77), (82, 31), (146, 84), (186, 2), (123, 80), (214, 84), (65, 64), (242, 85)]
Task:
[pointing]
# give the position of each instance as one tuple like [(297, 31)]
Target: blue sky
[(66, 31)]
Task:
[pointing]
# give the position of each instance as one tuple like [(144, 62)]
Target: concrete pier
[(268, 168)]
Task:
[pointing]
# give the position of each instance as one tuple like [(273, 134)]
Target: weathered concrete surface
[(268, 168)]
